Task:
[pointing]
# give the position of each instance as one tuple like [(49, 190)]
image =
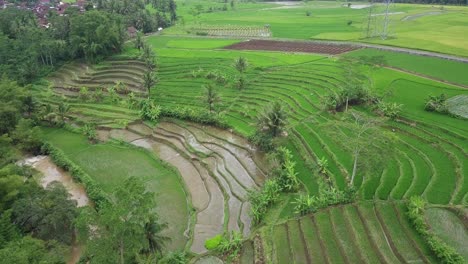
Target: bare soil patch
[(290, 46)]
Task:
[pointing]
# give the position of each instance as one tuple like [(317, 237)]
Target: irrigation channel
[(52, 173), (217, 167)]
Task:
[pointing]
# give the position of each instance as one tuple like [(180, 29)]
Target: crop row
[(363, 233)]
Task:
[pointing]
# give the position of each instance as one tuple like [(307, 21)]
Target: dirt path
[(427, 77)]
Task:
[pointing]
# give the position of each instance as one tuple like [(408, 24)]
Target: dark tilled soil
[(274, 45)]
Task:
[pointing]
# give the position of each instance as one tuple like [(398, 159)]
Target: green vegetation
[(458, 106), (364, 232), (280, 157), (411, 25), (448, 227), (443, 251), (441, 69), (110, 165), (124, 228)]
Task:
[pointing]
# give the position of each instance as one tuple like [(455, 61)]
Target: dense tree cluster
[(28, 51), (138, 16)]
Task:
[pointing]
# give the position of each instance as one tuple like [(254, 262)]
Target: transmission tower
[(386, 20), (370, 29)]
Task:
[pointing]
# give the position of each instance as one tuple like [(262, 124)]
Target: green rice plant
[(445, 253), (458, 106)]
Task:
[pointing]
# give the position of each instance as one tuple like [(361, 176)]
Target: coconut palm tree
[(63, 109), (272, 119), (211, 97), (241, 64), (153, 230)]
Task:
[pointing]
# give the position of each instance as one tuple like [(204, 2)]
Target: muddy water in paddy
[(216, 166)]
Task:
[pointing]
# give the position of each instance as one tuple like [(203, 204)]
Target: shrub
[(436, 104), (230, 244), (84, 93), (391, 110), (327, 196), (284, 169), (262, 199), (303, 204), (445, 253), (115, 98), (308, 13), (201, 33), (213, 243), (195, 115), (132, 101), (263, 140), (197, 73), (211, 75), (89, 130), (98, 95), (149, 111), (349, 23), (178, 257), (322, 164), (354, 93)]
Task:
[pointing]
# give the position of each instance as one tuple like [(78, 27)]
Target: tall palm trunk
[(121, 249), (354, 168)]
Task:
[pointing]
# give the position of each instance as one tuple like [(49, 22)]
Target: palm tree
[(29, 105), (63, 109), (139, 41), (47, 113), (241, 83), (153, 231), (211, 97), (241, 64), (149, 57), (273, 119), (149, 80)]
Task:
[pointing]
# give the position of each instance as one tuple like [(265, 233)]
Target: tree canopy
[(123, 228)]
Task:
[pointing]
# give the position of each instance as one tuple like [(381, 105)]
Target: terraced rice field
[(360, 233), (218, 169), (110, 164), (431, 154), (71, 77), (451, 226)]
